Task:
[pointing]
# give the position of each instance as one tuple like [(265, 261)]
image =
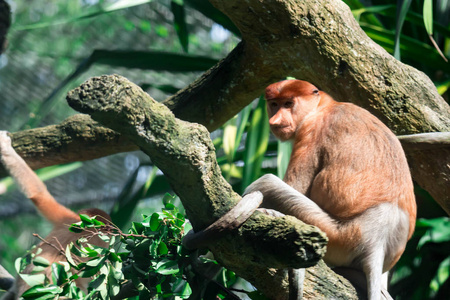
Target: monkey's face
[(282, 118), (288, 103)]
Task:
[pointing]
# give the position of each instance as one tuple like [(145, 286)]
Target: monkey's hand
[(5, 140), (5, 143)]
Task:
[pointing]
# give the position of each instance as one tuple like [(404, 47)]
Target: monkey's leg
[(280, 196)]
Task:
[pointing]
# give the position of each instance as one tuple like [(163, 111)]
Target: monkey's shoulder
[(349, 119)]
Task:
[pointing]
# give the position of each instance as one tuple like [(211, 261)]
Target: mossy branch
[(184, 152)]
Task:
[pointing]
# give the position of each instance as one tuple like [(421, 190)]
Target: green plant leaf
[(438, 230), (155, 222), (179, 19), (98, 10), (256, 144), (402, 10), (41, 261), (34, 279), (283, 157), (441, 276), (42, 292), (167, 267), (162, 248), (59, 274), (428, 16)]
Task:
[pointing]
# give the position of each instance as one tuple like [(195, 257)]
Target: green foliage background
[(163, 45)]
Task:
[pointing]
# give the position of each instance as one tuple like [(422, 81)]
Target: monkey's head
[(289, 102)]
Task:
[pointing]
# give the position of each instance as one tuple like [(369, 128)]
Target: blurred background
[(162, 45)]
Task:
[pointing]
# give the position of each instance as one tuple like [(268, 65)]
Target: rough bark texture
[(59, 144), (185, 154), (320, 41)]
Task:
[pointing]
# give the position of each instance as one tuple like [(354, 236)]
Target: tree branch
[(59, 144), (320, 41), (184, 152)]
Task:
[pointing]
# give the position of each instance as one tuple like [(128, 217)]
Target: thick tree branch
[(320, 41), (59, 144), (184, 152)]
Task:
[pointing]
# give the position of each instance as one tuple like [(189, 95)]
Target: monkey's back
[(361, 164)]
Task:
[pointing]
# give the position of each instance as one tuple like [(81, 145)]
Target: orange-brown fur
[(354, 172)]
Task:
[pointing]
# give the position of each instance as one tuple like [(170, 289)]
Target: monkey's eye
[(273, 104), (316, 91), (288, 104)]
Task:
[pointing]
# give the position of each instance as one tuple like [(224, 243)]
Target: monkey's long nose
[(276, 120)]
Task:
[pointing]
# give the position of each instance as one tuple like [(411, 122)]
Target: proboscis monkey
[(60, 216), (347, 175)]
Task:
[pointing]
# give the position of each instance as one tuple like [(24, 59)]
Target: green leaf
[(69, 257), (443, 87), (411, 48), (428, 16), (167, 267), (283, 157), (99, 10), (59, 274), (33, 280), (229, 138), (76, 228), (22, 262), (41, 261), (170, 206), (162, 248), (153, 248), (155, 222), (90, 271), (86, 219), (442, 275), (113, 257), (137, 227), (370, 18), (179, 19), (438, 230), (402, 10), (42, 292), (256, 144), (168, 198)]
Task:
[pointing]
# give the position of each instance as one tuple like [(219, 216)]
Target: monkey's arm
[(30, 184)]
